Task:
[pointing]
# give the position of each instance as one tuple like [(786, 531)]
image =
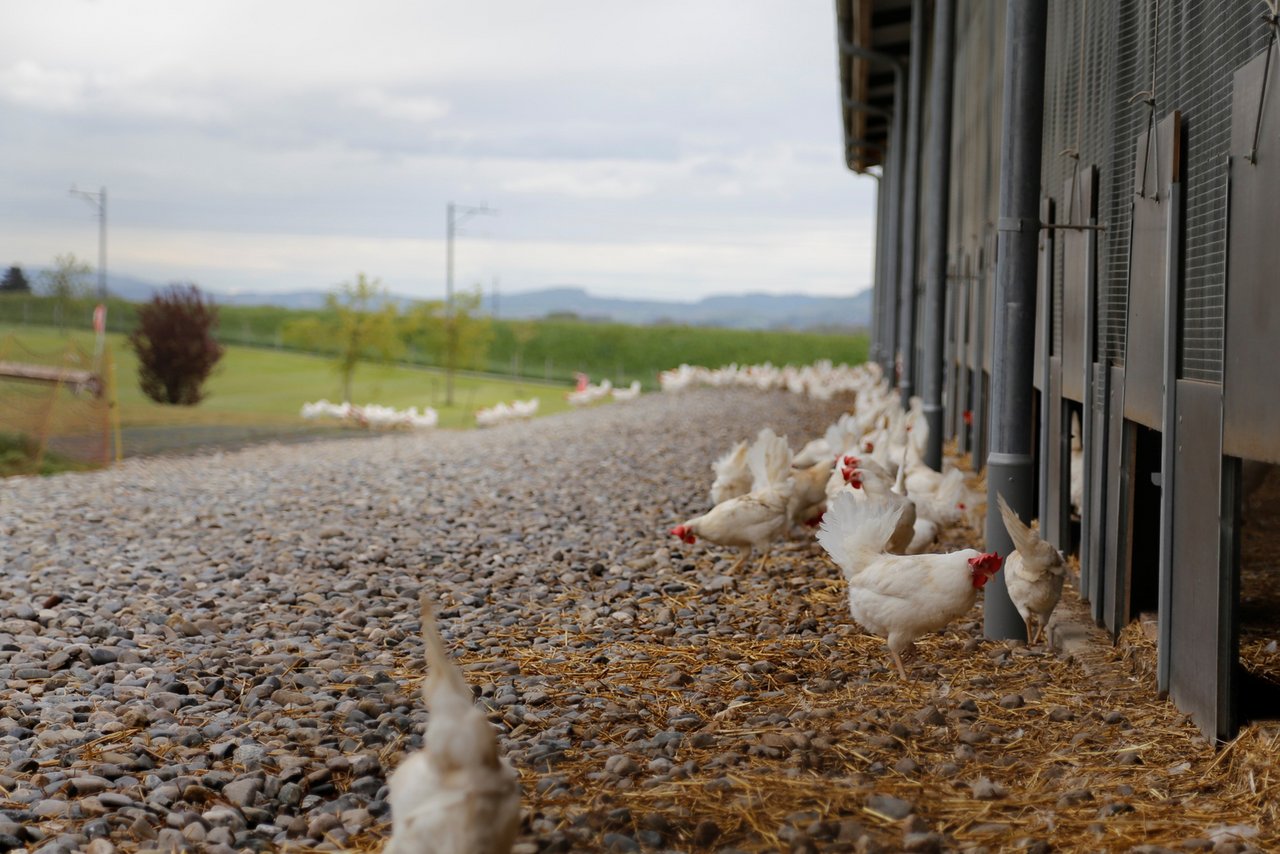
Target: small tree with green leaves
[(360, 324), (175, 345), (456, 340), (15, 281), (522, 332), (67, 281)]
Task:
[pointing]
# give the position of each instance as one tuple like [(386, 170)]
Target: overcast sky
[(658, 149)]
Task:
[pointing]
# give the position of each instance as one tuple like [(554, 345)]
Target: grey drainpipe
[(911, 208), (1009, 459), (936, 210), (877, 298), (891, 186)]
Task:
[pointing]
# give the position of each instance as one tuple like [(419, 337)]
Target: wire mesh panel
[(1111, 68)]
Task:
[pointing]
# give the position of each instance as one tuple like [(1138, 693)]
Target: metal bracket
[(1028, 224), (1064, 226)]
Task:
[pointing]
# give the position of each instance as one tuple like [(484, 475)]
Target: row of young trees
[(175, 339), (361, 322), (177, 350)]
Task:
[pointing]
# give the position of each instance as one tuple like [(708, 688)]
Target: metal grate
[(975, 136), (1147, 58), (1080, 85)]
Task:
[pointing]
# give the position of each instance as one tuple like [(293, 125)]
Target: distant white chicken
[(631, 392), (456, 795), (756, 519), (1033, 574), (899, 597)]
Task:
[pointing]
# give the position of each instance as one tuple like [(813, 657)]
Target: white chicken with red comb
[(756, 519), (899, 597)]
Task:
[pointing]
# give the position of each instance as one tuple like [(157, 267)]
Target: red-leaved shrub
[(175, 345)]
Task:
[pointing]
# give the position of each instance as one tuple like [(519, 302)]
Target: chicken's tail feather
[(855, 532), (731, 459), (769, 460), (1028, 542), (440, 665)]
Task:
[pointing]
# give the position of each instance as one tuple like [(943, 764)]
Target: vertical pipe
[(935, 286), (893, 158), (1009, 460), (102, 248), (448, 303), (911, 206), (877, 277)]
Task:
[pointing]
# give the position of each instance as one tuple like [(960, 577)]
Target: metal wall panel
[(1080, 209), (1202, 652), (1053, 520), (1121, 441), (1093, 512), (1251, 416), (977, 301), (1157, 165)]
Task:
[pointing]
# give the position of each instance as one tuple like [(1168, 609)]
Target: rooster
[(753, 520), (456, 795), (1034, 575), (899, 597)]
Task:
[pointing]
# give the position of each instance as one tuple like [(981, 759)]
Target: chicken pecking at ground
[(456, 795), (756, 519), (899, 597), (1034, 573)]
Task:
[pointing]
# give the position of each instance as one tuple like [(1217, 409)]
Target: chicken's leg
[(764, 561), (897, 659), (742, 558), (1026, 621)]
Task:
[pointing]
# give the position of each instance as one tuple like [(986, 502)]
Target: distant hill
[(740, 311)]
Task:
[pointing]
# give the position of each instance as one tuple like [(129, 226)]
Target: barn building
[(1076, 247)]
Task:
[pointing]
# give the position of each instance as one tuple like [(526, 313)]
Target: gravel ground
[(221, 653)]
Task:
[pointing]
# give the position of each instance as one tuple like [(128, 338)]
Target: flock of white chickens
[(879, 509), (372, 414), (822, 380)]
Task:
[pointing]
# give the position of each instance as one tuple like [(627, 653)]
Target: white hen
[(456, 795), (753, 520), (900, 597), (1033, 574)]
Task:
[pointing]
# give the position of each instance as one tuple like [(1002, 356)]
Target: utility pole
[(99, 201), (455, 216)]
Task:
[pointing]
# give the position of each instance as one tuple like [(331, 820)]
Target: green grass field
[(555, 350), (260, 386)]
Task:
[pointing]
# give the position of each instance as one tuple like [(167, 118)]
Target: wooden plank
[(48, 374)]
